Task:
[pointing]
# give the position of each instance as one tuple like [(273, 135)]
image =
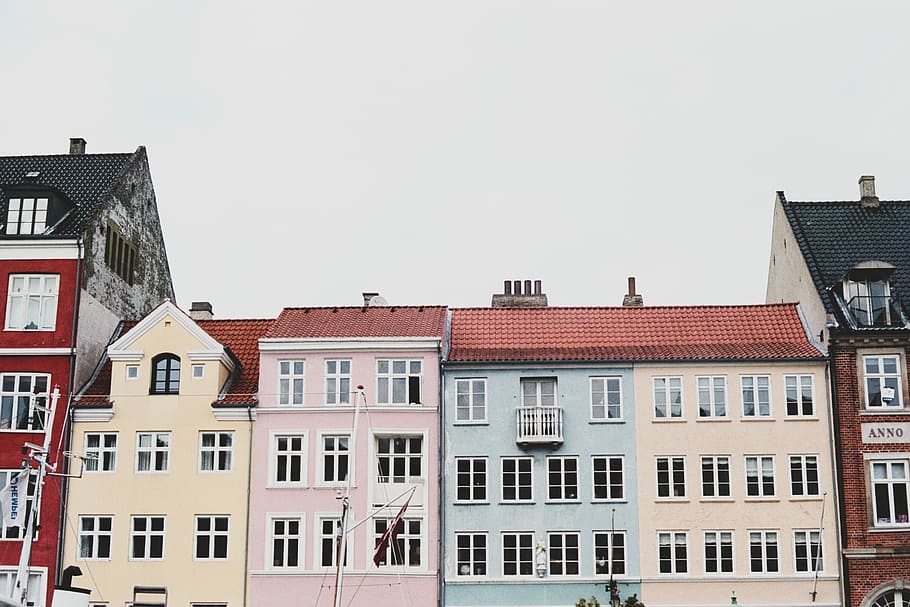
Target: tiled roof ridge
[(778, 304), (68, 155), (857, 202), (409, 306)]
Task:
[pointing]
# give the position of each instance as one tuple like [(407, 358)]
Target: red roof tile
[(629, 333), (369, 321)]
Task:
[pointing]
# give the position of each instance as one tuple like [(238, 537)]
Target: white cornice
[(39, 249), (126, 355), (219, 355), (348, 343), (233, 414), (36, 351), (95, 414)]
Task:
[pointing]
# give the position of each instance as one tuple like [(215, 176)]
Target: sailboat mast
[(341, 553)]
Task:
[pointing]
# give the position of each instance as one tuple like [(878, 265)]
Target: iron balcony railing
[(539, 424), (876, 311)]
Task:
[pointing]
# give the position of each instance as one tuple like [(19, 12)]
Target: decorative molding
[(126, 355), (40, 249), (96, 414), (233, 414), (36, 352)]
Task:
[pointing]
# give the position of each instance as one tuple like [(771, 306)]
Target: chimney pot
[(77, 146), (368, 297), (527, 287), (867, 191), (507, 287), (537, 287), (631, 298), (516, 287), (514, 296), (201, 310)]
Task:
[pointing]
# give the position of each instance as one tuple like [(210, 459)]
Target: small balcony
[(876, 311), (539, 425)]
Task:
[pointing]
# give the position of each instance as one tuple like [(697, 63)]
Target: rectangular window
[(715, 476), (517, 554), (668, 398), (718, 552), (712, 396), (890, 493), (517, 481), (760, 476), (470, 400), (471, 554), (26, 216), (152, 451), (132, 372), (289, 452), (671, 477), (807, 551), (147, 538), (31, 303), (609, 481), (95, 537), (119, 254), (471, 479), (609, 551), (16, 532), (400, 459), (335, 458), (21, 395), (563, 554), (290, 382), (673, 552), (763, 552), (338, 382), (198, 371), (216, 450), (329, 541), (35, 592), (100, 452), (538, 392), (756, 395), (803, 475), (562, 478), (212, 537), (883, 382), (405, 549), (398, 381), (286, 542), (800, 401), (606, 398)]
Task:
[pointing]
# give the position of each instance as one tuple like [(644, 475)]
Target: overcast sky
[(305, 152)]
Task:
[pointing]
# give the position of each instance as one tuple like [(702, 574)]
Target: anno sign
[(887, 432)]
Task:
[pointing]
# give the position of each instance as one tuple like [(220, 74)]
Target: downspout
[(839, 475), (67, 431), (440, 511), (249, 478)]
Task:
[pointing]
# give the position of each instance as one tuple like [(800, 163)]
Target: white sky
[(305, 152)]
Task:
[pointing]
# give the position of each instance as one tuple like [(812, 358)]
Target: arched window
[(890, 594), (165, 374)]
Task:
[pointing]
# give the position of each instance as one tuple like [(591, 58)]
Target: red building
[(80, 249), (848, 263)]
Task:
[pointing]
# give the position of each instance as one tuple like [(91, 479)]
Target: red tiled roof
[(629, 333), (369, 321)]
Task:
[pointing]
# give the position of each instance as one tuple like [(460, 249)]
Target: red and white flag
[(388, 536)]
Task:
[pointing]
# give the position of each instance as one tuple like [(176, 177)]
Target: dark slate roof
[(84, 178), (836, 236)]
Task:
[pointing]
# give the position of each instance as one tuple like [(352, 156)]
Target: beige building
[(165, 431)]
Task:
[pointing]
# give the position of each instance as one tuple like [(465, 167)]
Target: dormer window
[(165, 374), (867, 296), (26, 216)]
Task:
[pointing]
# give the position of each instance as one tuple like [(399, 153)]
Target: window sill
[(896, 528), (517, 503), (756, 418), (806, 498), (671, 500), (902, 411), (801, 418), (668, 420), (609, 420), (477, 503), (320, 485), (713, 419), (470, 423), (757, 498), (557, 502), (610, 501), (718, 500)]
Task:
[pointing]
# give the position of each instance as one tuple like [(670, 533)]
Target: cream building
[(165, 431)]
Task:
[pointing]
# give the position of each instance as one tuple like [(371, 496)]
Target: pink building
[(312, 360)]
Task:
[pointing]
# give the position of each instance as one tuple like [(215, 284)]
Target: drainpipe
[(440, 512), (839, 474), (249, 475)]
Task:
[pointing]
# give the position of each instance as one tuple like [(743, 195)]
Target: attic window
[(867, 295), (120, 254), (26, 216)]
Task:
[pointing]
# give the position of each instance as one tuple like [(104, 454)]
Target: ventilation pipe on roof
[(632, 298), (867, 192), (77, 146)]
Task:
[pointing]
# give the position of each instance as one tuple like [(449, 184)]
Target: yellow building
[(164, 429)]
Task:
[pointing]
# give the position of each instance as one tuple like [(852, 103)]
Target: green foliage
[(592, 603), (633, 601)]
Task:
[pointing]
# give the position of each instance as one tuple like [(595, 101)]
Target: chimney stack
[(368, 297), (77, 146), (867, 192), (632, 299), (520, 294), (201, 310)]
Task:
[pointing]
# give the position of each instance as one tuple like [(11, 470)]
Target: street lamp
[(733, 602)]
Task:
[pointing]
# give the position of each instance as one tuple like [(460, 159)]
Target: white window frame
[(811, 543), (760, 469), (197, 371), (883, 378), (715, 482), (406, 537), (566, 467), (37, 587), (889, 482), (286, 538), (569, 561), (606, 399), (34, 306), (222, 456), (678, 566), (274, 454), (712, 397), (388, 376), (675, 466), (802, 462), (795, 393), (407, 457), (615, 492), (666, 390), (518, 485), (21, 397), (603, 548), (103, 457), (334, 537), (714, 539), (524, 543), (152, 452), (764, 537), (478, 468), (211, 536), (539, 397), (291, 382), (470, 400), (337, 381), (335, 456), (132, 372), (759, 390), (148, 534), (94, 536), (473, 552), (27, 212)]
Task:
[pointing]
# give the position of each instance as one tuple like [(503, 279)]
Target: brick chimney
[(514, 295), (632, 298), (77, 146), (201, 310), (867, 192)]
